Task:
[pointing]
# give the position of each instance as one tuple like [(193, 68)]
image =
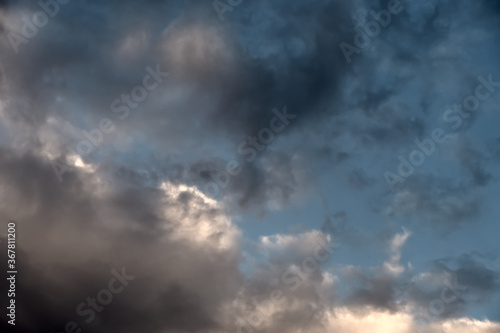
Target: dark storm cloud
[(378, 292), (465, 281), (302, 81), (472, 277), (61, 271), (30, 183), (47, 301), (476, 272)]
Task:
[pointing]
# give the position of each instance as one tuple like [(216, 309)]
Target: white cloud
[(393, 267), (347, 321), (200, 220)]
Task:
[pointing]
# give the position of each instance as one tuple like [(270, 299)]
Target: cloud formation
[(201, 262)]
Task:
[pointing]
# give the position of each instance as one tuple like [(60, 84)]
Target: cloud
[(137, 200), (351, 322), (443, 203), (393, 267)]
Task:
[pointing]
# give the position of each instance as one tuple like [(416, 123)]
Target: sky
[(250, 166)]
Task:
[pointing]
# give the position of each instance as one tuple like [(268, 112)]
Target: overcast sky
[(251, 166)]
